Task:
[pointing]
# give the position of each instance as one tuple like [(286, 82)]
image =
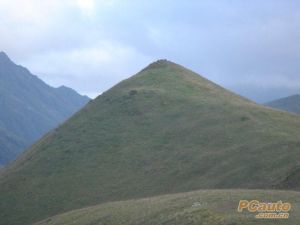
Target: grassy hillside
[(164, 130), (29, 108), (207, 207), (290, 104)]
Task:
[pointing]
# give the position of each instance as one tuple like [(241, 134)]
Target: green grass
[(165, 130), (206, 207)]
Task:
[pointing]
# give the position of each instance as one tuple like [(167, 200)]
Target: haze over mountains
[(29, 108), (164, 130), (289, 104)]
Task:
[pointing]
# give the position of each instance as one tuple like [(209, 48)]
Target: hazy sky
[(252, 47)]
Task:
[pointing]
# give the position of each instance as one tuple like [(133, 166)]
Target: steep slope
[(29, 108), (290, 104), (164, 130), (10, 146), (207, 207)]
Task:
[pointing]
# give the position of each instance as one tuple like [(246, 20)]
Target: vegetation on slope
[(206, 207), (164, 130)]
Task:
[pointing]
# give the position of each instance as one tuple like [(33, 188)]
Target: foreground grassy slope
[(164, 130), (207, 207)]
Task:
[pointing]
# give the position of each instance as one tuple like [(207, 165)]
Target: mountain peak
[(4, 57), (3, 54), (161, 63), (161, 131), (63, 87)]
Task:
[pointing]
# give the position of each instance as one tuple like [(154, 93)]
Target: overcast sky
[(251, 47)]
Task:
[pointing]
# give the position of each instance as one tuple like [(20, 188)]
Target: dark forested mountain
[(164, 130), (29, 108), (290, 104)]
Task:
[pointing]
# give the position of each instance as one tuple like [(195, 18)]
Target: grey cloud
[(251, 47)]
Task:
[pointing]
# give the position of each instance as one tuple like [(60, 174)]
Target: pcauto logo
[(264, 210)]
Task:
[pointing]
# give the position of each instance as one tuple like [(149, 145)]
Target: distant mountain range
[(289, 104), (29, 108), (164, 130)]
